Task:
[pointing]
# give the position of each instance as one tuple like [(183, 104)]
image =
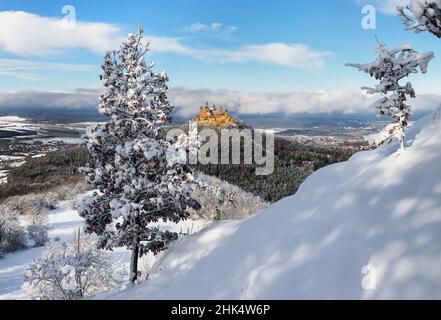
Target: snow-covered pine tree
[(137, 184), (422, 15), (389, 68)]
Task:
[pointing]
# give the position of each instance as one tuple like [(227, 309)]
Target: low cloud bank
[(241, 102)]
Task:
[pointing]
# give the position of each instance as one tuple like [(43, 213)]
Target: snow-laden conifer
[(138, 184), (390, 67), (422, 15)]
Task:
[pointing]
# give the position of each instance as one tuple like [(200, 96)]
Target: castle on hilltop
[(214, 116)]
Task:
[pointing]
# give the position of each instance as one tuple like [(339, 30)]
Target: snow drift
[(377, 215)]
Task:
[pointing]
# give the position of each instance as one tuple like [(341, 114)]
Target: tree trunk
[(77, 271), (134, 263)]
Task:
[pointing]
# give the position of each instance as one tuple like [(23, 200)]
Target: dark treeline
[(43, 173), (293, 163)]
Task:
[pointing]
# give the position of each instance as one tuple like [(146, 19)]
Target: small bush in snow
[(37, 233), (65, 193), (51, 200), (73, 204), (32, 205), (12, 234), (70, 271)]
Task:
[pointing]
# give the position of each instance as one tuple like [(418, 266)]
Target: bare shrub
[(70, 271), (38, 234), (51, 200)]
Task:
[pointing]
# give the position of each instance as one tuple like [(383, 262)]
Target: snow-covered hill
[(365, 229)]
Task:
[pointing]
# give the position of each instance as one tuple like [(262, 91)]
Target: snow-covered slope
[(374, 221), (63, 223)]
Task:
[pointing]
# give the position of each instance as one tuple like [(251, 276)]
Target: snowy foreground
[(369, 228), (63, 223)]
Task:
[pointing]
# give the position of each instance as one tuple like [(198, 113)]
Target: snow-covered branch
[(422, 15)]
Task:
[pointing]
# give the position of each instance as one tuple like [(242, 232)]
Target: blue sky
[(247, 45)]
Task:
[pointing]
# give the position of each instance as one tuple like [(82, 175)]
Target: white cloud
[(298, 56), (27, 34), (387, 6), (167, 44), (312, 102), (292, 55), (196, 27), (263, 103), (34, 70), (188, 101), (81, 98), (213, 27)]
